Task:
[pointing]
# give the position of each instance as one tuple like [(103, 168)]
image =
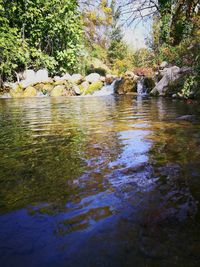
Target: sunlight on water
[(99, 181)]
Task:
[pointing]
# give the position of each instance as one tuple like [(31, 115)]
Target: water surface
[(99, 181)]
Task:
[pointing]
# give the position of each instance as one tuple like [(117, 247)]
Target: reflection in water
[(109, 181)]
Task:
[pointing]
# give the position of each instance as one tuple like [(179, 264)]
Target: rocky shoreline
[(39, 84), (167, 81)]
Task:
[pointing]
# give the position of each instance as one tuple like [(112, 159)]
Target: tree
[(51, 31), (117, 49)]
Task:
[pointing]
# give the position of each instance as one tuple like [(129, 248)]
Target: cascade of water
[(106, 90), (141, 89)]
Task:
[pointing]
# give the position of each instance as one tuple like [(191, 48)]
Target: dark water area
[(99, 182)]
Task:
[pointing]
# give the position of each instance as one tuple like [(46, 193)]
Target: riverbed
[(108, 181)]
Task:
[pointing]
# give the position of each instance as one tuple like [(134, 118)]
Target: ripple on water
[(99, 181)]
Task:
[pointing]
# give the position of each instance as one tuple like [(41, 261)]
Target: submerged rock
[(187, 118)]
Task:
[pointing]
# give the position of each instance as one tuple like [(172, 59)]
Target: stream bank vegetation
[(70, 36)]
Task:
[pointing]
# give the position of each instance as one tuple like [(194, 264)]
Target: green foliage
[(142, 57), (188, 86), (38, 34), (99, 52)]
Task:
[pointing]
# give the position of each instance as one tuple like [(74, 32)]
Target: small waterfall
[(141, 89), (106, 90)]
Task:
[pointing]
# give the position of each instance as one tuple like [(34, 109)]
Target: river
[(99, 182)]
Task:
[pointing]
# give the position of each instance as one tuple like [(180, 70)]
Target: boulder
[(48, 87), (31, 77), (57, 78), (39, 86), (59, 90), (93, 77), (30, 92), (16, 91), (77, 90), (87, 88), (126, 85), (110, 78), (28, 75), (103, 79), (66, 77), (76, 78), (60, 82), (168, 75), (84, 87), (164, 64), (95, 86), (41, 76)]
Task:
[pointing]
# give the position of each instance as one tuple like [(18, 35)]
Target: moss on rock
[(94, 87), (57, 91), (17, 92), (47, 88), (30, 92), (127, 85)]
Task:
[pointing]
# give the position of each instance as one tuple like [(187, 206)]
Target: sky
[(135, 35)]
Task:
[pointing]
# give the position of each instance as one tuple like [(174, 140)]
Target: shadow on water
[(101, 181)]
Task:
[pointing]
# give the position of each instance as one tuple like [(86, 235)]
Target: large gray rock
[(42, 76), (93, 77), (30, 77), (76, 78), (67, 77), (168, 75), (164, 64)]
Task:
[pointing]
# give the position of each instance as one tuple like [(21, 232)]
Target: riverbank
[(39, 84), (167, 81)]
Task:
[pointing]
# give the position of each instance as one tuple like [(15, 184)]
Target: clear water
[(99, 181)]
